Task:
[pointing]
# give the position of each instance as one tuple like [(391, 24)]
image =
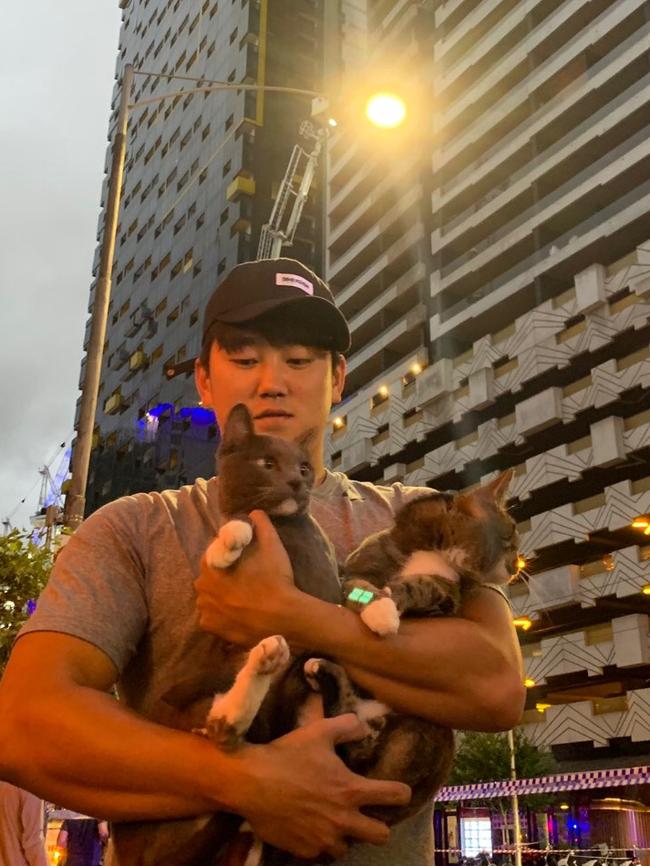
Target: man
[(21, 828), (121, 606), (82, 839)]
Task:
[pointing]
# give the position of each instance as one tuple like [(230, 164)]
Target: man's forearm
[(454, 670), (84, 749)]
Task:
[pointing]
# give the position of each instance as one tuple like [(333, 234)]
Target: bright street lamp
[(76, 497), (386, 110)]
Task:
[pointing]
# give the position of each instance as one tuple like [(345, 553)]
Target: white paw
[(311, 668), (270, 655), (227, 547), (381, 616)]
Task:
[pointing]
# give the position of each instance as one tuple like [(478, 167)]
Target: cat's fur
[(471, 540)]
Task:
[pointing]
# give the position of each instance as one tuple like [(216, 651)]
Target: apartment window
[(224, 217), (213, 11), (179, 225), (185, 140), (210, 50), (203, 176), (221, 267), (229, 121), (161, 307), (200, 220), (188, 260), (157, 353), (194, 318), (172, 316), (175, 271), (226, 168), (196, 270), (233, 36), (164, 262), (205, 132)]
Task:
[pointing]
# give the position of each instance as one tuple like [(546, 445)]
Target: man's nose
[(272, 382)]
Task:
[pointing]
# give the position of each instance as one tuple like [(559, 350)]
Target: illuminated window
[(475, 836)]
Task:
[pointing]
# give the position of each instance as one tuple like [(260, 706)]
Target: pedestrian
[(83, 840), (21, 828), (124, 606)]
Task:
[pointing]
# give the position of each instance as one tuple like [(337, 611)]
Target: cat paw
[(381, 616), (311, 668), (227, 547), (270, 655)]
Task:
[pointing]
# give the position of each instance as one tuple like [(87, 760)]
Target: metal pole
[(76, 499), (515, 800)]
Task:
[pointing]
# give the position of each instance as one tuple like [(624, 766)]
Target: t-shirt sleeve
[(97, 591)]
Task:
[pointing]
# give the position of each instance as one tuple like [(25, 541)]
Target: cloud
[(56, 81)]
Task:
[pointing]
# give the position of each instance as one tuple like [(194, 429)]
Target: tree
[(24, 570), (482, 757)]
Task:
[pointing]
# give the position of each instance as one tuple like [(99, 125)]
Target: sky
[(57, 66)]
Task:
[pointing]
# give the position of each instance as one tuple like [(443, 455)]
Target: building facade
[(496, 275), (201, 175)]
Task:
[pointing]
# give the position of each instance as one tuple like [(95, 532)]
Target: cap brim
[(325, 316)]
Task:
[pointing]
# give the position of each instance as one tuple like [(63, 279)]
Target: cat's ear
[(498, 489), (238, 429)]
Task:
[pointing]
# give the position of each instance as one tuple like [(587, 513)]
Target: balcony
[(240, 186)]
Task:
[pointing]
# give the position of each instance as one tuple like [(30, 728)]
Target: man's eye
[(299, 362), (266, 462), (244, 362)]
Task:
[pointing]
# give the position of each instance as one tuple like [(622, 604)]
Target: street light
[(76, 497)]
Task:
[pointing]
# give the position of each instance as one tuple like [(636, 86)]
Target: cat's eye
[(305, 469), (266, 462)]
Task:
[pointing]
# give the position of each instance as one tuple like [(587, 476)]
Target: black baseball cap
[(253, 289)]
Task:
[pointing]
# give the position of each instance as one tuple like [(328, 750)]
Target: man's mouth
[(272, 413)]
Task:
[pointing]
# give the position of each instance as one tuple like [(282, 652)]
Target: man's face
[(288, 391)]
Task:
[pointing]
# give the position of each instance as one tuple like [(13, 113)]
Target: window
[(221, 267), (161, 307), (224, 217), (205, 132), (226, 168), (233, 36), (229, 121)]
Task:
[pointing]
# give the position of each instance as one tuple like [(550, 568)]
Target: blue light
[(160, 408), (31, 606)]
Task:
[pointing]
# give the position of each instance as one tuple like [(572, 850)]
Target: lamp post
[(76, 497), (515, 799)]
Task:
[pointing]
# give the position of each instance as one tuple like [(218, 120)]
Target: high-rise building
[(497, 280), (201, 175)]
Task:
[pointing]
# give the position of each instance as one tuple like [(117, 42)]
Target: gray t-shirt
[(124, 582)]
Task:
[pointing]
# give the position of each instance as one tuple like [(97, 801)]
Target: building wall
[(528, 347), (201, 175)]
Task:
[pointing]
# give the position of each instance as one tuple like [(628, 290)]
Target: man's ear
[(202, 382), (338, 380)]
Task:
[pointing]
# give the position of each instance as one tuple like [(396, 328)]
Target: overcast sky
[(57, 63)]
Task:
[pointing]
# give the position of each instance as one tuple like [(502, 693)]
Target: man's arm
[(462, 671), (66, 739)]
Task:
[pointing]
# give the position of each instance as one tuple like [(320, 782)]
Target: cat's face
[(474, 529), (483, 516), (261, 471)]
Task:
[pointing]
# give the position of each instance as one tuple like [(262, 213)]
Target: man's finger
[(381, 793), (264, 530), (343, 729)]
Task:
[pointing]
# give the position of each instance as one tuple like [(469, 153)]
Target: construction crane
[(281, 228)]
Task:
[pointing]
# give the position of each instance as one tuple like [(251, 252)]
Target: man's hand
[(303, 799), (253, 598)]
